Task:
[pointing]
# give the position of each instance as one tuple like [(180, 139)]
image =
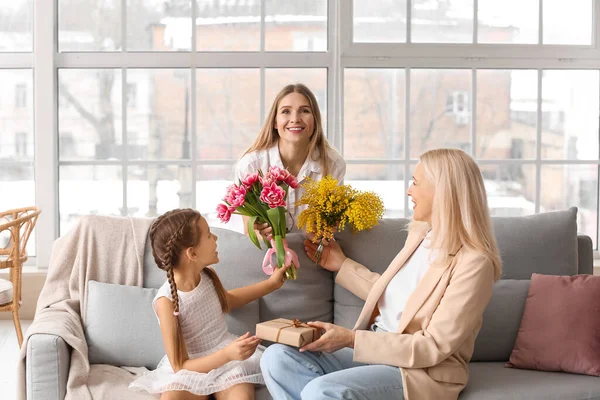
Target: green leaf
[(273, 215), (282, 223), (280, 250), (251, 232)]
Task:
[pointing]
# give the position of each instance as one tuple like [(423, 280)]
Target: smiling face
[(206, 250), (421, 191), (295, 121)]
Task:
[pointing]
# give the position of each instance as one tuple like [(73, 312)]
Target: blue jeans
[(290, 374)]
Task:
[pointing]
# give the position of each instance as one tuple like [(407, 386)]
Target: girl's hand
[(264, 230), (241, 348), (278, 277), (332, 257), (334, 338)]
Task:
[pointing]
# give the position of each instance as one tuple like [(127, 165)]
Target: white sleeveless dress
[(205, 331)]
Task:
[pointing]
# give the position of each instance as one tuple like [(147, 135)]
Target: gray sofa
[(544, 243)]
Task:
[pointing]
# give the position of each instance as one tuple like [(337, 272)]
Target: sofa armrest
[(47, 367)]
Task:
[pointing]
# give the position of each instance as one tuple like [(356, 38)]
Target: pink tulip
[(273, 195), (292, 182), (235, 195), (250, 179), (224, 212), (279, 174)]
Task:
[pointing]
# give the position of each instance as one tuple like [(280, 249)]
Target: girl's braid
[(169, 256)]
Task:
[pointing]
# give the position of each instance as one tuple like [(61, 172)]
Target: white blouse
[(264, 159), (396, 294)]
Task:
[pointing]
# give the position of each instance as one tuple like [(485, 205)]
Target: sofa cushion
[(154, 277), (6, 291), (501, 321), (116, 316), (560, 326), (544, 243), (491, 381)]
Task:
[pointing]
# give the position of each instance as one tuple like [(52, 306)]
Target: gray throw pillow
[(501, 321), (121, 328)]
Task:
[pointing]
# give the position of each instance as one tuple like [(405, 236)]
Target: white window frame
[(342, 53), (470, 56)]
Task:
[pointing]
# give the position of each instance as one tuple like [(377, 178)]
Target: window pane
[(228, 111), (314, 78), (379, 21), (566, 186), (442, 21), (374, 113), (154, 190), (89, 190), (16, 115), (16, 26), (89, 25), (296, 25), (89, 114), (510, 189), (18, 186), (570, 115), (568, 22), (159, 25), (440, 110), (506, 114), (158, 114), (387, 180), (231, 26), (211, 183), (508, 21)]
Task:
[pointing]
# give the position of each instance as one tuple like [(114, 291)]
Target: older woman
[(417, 329)]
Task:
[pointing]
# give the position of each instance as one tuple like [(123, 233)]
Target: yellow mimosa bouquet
[(331, 207)]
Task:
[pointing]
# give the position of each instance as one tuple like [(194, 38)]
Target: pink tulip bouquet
[(263, 199)]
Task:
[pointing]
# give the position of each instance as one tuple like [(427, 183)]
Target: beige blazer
[(437, 330)]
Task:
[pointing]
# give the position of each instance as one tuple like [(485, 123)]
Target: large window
[(143, 106)]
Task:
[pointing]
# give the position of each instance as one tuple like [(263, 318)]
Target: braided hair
[(170, 234)]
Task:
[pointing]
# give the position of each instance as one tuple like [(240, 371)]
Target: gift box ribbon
[(296, 323)]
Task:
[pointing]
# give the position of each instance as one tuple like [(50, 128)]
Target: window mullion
[(45, 127), (192, 111)]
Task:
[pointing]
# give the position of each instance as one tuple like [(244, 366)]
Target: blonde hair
[(170, 234), (460, 214), (268, 135)]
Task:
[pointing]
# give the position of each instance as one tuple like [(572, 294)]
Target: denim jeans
[(290, 374)]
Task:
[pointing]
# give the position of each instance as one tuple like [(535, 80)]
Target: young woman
[(203, 358), (417, 329), (292, 138)]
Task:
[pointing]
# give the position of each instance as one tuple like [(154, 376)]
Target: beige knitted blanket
[(105, 249)]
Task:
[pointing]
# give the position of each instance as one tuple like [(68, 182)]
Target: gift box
[(287, 331)]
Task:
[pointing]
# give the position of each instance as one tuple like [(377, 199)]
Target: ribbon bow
[(290, 257), (296, 323)]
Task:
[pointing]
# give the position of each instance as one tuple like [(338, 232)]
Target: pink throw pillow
[(560, 327)]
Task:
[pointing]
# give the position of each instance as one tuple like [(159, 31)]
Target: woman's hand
[(332, 257), (278, 277), (264, 230), (334, 338), (241, 348)]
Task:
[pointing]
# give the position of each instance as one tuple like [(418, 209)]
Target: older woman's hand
[(332, 258), (334, 338)]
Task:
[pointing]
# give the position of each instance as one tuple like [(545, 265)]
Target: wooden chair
[(15, 227)]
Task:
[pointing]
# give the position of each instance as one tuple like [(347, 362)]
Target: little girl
[(202, 358)]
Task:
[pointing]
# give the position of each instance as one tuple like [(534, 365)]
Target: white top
[(265, 159), (394, 297), (204, 330)]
